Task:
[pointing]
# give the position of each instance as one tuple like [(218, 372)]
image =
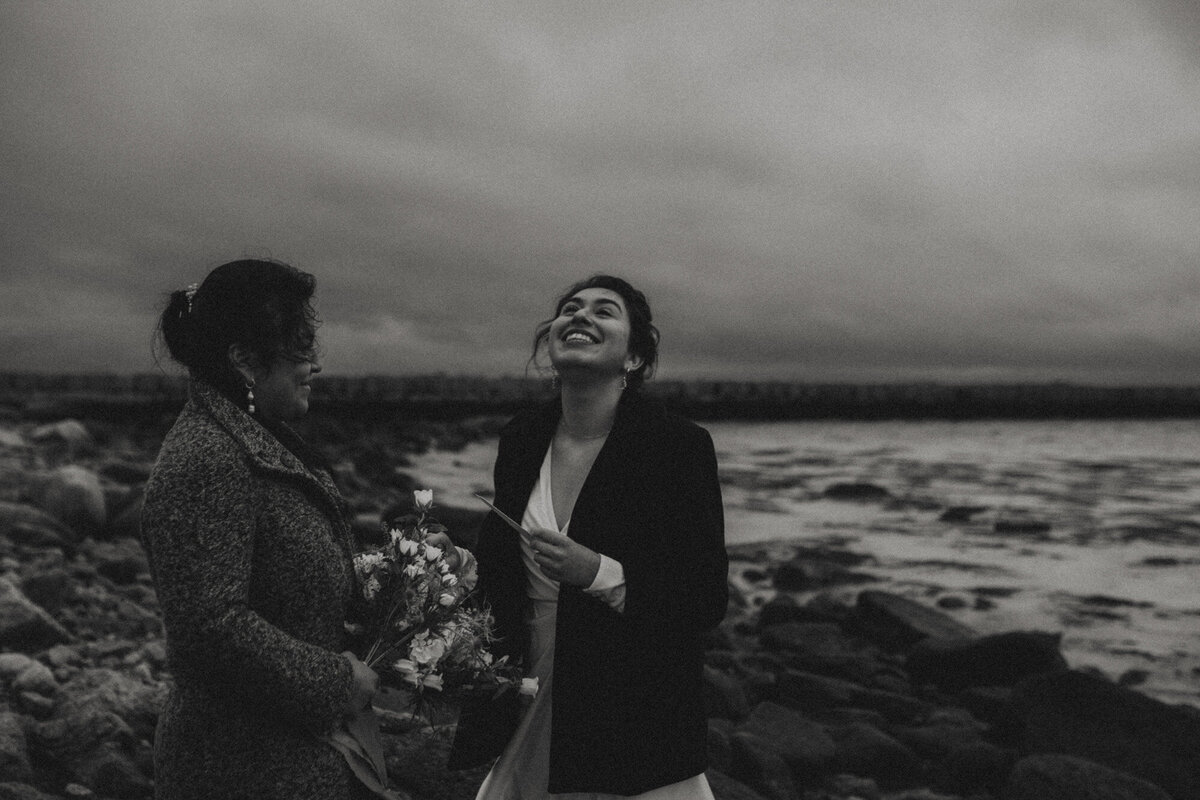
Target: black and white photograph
[(535, 400)]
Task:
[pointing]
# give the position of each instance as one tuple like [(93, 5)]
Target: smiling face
[(591, 332), (281, 389)]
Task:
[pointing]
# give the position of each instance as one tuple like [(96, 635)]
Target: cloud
[(804, 189)]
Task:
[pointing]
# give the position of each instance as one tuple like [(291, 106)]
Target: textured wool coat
[(251, 558), (628, 712)]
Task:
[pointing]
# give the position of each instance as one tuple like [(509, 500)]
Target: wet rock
[(720, 748), (821, 648), (856, 491), (810, 692), (897, 622), (25, 524), (961, 513), (851, 786), (73, 495), (122, 561), (36, 678), (808, 574), (136, 702), (974, 767), (67, 437), (14, 751), (1085, 716), (126, 472), (13, 664), (1023, 527), (21, 791), (100, 729), (804, 745), (999, 660), (724, 696), (1044, 776), (125, 522), (24, 625), (866, 750), (760, 766), (49, 588)]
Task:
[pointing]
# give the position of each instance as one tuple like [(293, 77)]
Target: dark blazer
[(251, 558), (628, 711)]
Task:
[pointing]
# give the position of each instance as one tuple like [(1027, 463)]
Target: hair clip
[(190, 292)]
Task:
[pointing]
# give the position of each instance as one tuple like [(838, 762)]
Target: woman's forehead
[(596, 294)]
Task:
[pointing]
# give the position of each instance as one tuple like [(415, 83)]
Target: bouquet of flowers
[(423, 636)]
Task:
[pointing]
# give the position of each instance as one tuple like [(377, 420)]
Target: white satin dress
[(523, 769)]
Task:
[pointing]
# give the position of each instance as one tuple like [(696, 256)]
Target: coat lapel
[(268, 455)]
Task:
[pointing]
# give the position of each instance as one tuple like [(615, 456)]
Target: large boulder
[(822, 648), (896, 622), (100, 731), (1057, 777), (24, 625), (14, 752), (759, 765), (863, 749), (66, 438), (804, 745), (27, 525), (1002, 659), (1082, 715), (73, 494)]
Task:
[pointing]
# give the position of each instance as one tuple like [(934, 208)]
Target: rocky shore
[(822, 698)]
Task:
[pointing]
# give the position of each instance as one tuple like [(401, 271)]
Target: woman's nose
[(315, 366)]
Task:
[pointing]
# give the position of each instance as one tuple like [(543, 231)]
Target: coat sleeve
[(682, 579), (199, 529)]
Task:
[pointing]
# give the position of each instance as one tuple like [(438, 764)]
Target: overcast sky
[(871, 191)]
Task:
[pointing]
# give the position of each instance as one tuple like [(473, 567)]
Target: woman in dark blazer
[(623, 568), (250, 552)]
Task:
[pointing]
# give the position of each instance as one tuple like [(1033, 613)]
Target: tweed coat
[(628, 711), (251, 557)]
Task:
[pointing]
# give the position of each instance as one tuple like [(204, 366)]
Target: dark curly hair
[(643, 336), (264, 306)]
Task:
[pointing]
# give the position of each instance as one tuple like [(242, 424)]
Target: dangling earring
[(554, 381), (250, 397), (624, 379)]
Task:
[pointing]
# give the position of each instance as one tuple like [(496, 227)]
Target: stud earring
[(250, 397)]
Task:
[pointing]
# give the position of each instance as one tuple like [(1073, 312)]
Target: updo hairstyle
[(264, 306)]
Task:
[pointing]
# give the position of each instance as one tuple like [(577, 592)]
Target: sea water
[(1090, 528)]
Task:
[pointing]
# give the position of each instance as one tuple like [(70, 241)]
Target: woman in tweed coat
[(250, 552)]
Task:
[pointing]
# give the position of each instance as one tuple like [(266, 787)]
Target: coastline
[(819, 684)]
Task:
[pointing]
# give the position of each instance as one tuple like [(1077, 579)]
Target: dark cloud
[(804, 190)]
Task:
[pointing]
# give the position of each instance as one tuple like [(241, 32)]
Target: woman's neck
[(588, 410)]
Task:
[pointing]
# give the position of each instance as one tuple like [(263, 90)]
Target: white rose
[(529, 687), (446, 599), (408, 547), (432, 552), (433, 682), (423, 498)]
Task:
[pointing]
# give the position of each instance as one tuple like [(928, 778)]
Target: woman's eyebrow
[(598, 301)]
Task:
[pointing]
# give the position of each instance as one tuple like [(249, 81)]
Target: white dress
[(523, 769)]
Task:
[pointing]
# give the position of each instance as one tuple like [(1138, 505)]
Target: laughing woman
[(250, 552), (622, 570)]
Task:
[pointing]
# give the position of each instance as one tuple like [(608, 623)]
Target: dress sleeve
[(609, 583)]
